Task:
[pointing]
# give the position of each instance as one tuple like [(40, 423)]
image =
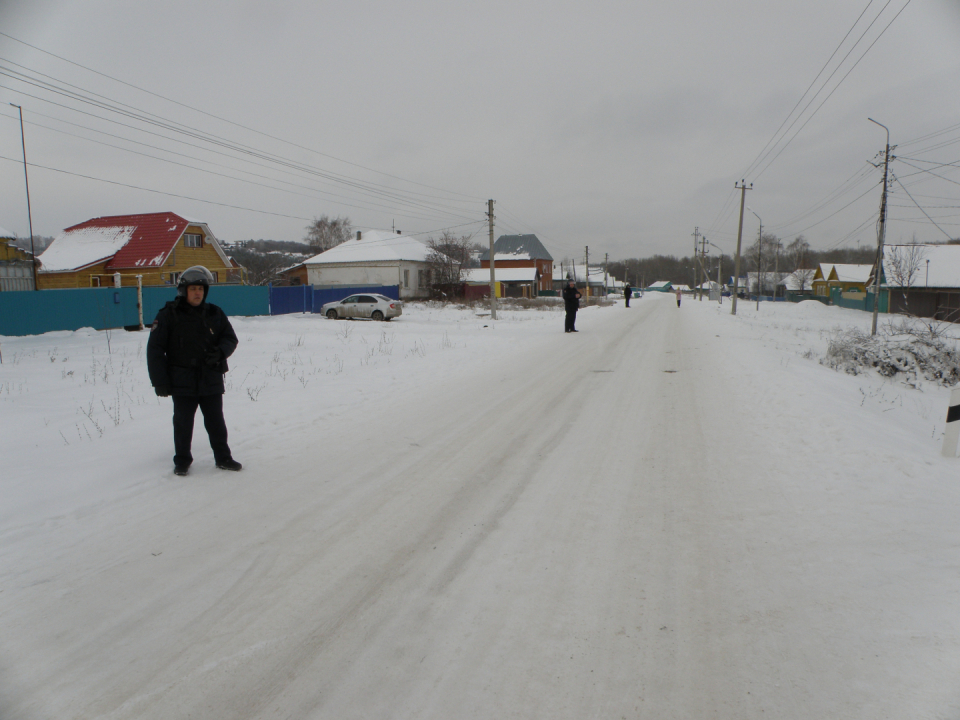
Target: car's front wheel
[(331, 314), (377, 315)]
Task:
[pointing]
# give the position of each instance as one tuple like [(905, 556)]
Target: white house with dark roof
[(374, 258)]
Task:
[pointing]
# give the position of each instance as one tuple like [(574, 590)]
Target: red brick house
[(522, 251)]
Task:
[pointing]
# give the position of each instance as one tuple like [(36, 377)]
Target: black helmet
[(196, 275)]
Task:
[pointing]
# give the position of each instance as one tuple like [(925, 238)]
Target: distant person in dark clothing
[(627, 292), (187, 353), (571, 303)]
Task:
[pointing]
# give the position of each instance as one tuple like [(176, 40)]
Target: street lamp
[(33, 259), (759, 256)]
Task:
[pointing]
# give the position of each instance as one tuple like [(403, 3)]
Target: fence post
[(952, 432)]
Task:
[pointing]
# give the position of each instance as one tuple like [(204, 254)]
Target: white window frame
[(190, 238)]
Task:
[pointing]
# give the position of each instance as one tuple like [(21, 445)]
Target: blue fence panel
[(33, 313), (338, 292), (293, 299)]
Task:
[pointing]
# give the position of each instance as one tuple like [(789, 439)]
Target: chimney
[(358, 234)]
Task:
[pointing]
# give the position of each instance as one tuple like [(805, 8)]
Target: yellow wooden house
[(155, 246), (849, 278)]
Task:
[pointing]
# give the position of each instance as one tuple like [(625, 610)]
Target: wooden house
[(156, 246), (16, 265)]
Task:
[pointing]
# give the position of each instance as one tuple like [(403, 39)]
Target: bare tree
[(797, 252), (449, 256), (903, 263), (326, 232)]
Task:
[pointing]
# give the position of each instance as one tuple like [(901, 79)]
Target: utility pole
[(586, 252), (33, 253), (883, 227), (719, 284), (703, 265), (493, 276), (696, 257), (759, 261), (606, 257), (736, 270)]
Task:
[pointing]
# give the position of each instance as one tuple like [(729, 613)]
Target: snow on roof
[(374, 246), (4, 233), (853, 273), (127, 241), (518, 247), (482, 275), (82, 246), (943, 270), (659, 284)]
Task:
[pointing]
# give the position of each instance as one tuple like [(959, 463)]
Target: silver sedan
[(373, 306)]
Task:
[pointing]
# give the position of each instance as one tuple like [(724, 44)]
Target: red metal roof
[(151, 241)]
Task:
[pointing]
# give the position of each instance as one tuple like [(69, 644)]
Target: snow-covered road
[(646, 519)]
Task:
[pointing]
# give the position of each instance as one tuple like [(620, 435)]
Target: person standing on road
[(627, 291), (571, 303), (679, 295), (187, 353)]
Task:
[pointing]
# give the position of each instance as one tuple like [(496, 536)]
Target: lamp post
[(33, 254), (759, 257)]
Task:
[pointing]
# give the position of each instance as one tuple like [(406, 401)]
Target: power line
[(921, 209), (371, 190), (761, 154), (836, 87), (212, 172), (231, 122), (158, 192)]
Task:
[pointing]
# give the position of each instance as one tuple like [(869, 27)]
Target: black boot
[(229, 464)]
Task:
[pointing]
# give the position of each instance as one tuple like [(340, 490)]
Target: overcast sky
[(618, 125)]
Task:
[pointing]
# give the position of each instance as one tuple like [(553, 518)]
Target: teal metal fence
[(33, 313)]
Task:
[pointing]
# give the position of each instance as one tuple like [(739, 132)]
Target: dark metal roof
[(525, 246)]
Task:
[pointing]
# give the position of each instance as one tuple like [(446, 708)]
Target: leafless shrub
[(909, 351)]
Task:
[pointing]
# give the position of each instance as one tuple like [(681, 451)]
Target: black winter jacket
[(188, 348), (571, 298)]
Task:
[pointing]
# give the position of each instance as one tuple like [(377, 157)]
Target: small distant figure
[(679, 296), (571, 303), (627, 292)]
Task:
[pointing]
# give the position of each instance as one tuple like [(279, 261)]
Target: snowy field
[(673, 513)]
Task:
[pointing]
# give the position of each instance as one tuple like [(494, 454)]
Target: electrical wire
[(230, 122), (212, 172), (921, 209), (363, 188), (835, 88), (151, 190), (757, 160)]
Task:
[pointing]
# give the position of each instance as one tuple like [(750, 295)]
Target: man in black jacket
[(187, 353), (571, 303), (627, 292)]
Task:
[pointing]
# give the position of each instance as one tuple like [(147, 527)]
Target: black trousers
[(627, 301), (571, 321), (184, 411)]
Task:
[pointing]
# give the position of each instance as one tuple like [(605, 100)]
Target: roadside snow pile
[(910, 352)]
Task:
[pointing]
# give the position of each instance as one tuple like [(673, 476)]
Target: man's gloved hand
[(162, 391), (213, 358)]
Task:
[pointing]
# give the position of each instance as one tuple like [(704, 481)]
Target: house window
[(174, 278), (406, 278), (94, 281), (192, 240)]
